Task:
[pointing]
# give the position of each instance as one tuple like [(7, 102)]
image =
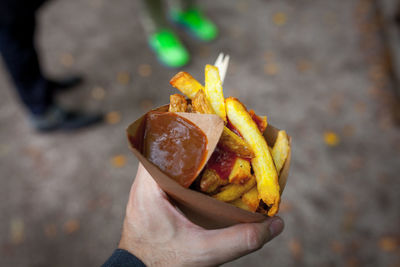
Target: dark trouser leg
[(153, 17), (182, 5), (21, 60)]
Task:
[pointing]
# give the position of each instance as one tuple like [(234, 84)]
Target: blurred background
[(323, 70)]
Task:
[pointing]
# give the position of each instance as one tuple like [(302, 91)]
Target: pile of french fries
[(251, 167)]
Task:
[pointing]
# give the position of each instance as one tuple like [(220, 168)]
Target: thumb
[(233, 242)]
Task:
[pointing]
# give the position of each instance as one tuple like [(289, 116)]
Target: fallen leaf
[(71, 226), (50, 230), (271, 69), (67, 60), (280, 19), (123, 77), (388, 244), (118, 161), (331, 138), (144, 70), (268, 56), (296, 248), (242, 6), (98, 93), (352, 262), (113, 117), (337, 247), (146, 104), (348, 222), (303, 65), (17, 231)]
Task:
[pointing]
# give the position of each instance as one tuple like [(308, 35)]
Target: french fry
[(185, 83), (229, 140), (231, 192), (213, 90), (241, 171), (177, 103), (210, 181), (200, 103), (262, 163), (280, 150), (233, 143), (240, 204), (251, 199)]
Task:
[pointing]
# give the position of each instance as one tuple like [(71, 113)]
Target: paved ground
[(312, 66)]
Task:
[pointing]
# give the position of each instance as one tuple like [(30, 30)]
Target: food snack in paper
[(243, 170)]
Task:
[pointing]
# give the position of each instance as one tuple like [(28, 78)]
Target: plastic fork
[(222, 63)]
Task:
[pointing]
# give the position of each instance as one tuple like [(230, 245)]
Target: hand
[(160, 235)]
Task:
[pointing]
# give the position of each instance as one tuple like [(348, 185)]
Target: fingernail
[(275, 227)]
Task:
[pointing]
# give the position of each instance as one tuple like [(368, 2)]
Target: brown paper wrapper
[(200, 208)]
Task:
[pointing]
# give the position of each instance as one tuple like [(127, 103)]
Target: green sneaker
[(196, 22), (169, 49)]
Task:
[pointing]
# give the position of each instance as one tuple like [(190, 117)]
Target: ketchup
[(175, 145), (222, 162)]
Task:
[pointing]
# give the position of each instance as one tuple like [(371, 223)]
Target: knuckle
[(254, 239)]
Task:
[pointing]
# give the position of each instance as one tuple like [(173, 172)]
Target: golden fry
[(213, 90), (280, 151), (210, 181), (200, 103), (177, 103), (241, 171), (240, 204), (231, 192), (263, 165), (185, 83), (233, 143), (250, 198)]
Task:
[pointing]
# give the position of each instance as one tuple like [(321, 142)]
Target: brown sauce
[(175, 145)]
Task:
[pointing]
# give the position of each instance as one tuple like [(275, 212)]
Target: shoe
[(169, 49), (57, 118), (65, 83), (196, 23)]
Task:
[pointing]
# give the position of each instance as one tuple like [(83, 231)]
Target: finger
[(236, 241)]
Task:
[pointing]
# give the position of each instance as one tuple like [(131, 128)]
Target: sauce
[(261, 123), (222, 162), (175, 145)]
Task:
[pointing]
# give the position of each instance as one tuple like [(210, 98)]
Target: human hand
[(160, 235)]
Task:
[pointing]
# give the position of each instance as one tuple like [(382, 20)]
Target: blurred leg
[(189, 15), (162, 40), (21, 60), (182, 5), (153, 18)]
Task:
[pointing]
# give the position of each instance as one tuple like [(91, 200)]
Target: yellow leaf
[(280, 19), (144, 70), (17, 231), (388, 244), (331, 138), (271, 69), (113, 117), (123, 77), (118, 161), (71, 226), (98, 93), (67, 60)]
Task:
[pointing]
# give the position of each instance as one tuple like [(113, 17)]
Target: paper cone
[(198, 207)]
